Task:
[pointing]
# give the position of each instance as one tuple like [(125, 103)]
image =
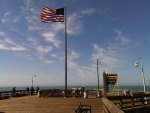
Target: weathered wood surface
[(134, 103), (109, 107), (33, 104)]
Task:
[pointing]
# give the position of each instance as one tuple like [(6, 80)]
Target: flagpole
[(65, 53)]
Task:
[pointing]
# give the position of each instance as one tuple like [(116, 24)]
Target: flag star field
[(33, 43)]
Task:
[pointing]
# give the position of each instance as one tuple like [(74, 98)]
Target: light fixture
[(98, 61), (32, 78), (136, 65)]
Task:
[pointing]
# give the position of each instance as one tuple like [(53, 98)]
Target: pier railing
[(18, 93), (135, 103), (109, 107), (70, 93), (51, 93)]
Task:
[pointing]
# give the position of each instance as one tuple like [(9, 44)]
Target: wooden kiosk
[(109, 81)]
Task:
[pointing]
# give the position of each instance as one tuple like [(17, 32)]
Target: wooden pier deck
[(33, 104)]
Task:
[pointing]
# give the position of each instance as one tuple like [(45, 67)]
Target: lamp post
[(32, 79), (136, 65), (98, 61)]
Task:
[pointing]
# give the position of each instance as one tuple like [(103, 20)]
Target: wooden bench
[(83, 109)]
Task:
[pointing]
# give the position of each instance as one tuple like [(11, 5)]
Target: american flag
[(48, 15)]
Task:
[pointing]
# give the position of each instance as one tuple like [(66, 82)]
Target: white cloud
[(6, 17), (14, 48), (8, 40), (108, 57), (34, 27), (34, 11), (26, 6), (9, 44), (32, 19), (27, 3), (121, 38), (17, 48), (74, 24), (29, 56), (2, 33), (33, 40), (58, 55), (54, 55), (51, 37), (16, 19), (44, 50), (3, 46), (48, 61), (72, 56), (88, 11), (58, 26)]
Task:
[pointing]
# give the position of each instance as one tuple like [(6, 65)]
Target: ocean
[(139, 88)]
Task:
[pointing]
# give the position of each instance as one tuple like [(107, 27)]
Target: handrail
[(109, 107)]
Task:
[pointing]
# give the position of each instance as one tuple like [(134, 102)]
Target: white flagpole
[(65, 52)]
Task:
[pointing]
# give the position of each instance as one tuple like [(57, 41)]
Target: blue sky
[(115, 32)]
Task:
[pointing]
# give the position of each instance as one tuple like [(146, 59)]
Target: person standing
[(32, 91), (14, 90), (37, 88), (27, 89), (82, 90)]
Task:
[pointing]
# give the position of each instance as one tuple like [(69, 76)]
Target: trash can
[(98, 94), (39, 93), (85, 94)]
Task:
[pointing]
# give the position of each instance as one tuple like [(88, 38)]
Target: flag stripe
[(48, 15)]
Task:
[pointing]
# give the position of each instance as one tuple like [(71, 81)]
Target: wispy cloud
[(16, 19), (74, 24), (33, 40), (34, 11), (8, 44), (88, 11), (107, 56), (26, 6), (71, 57), (27, 3), (57, 27), (2, 46), (48, 61), (28, 56), (43, 50), (6, 17), (31, 15), (32, 18), (121, 38), (2, 33), (58, 55), (13, 46), (51, 37), (54, 55)]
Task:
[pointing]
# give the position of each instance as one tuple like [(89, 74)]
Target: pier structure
[(34, 104), (56, 104), (131, 102)]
